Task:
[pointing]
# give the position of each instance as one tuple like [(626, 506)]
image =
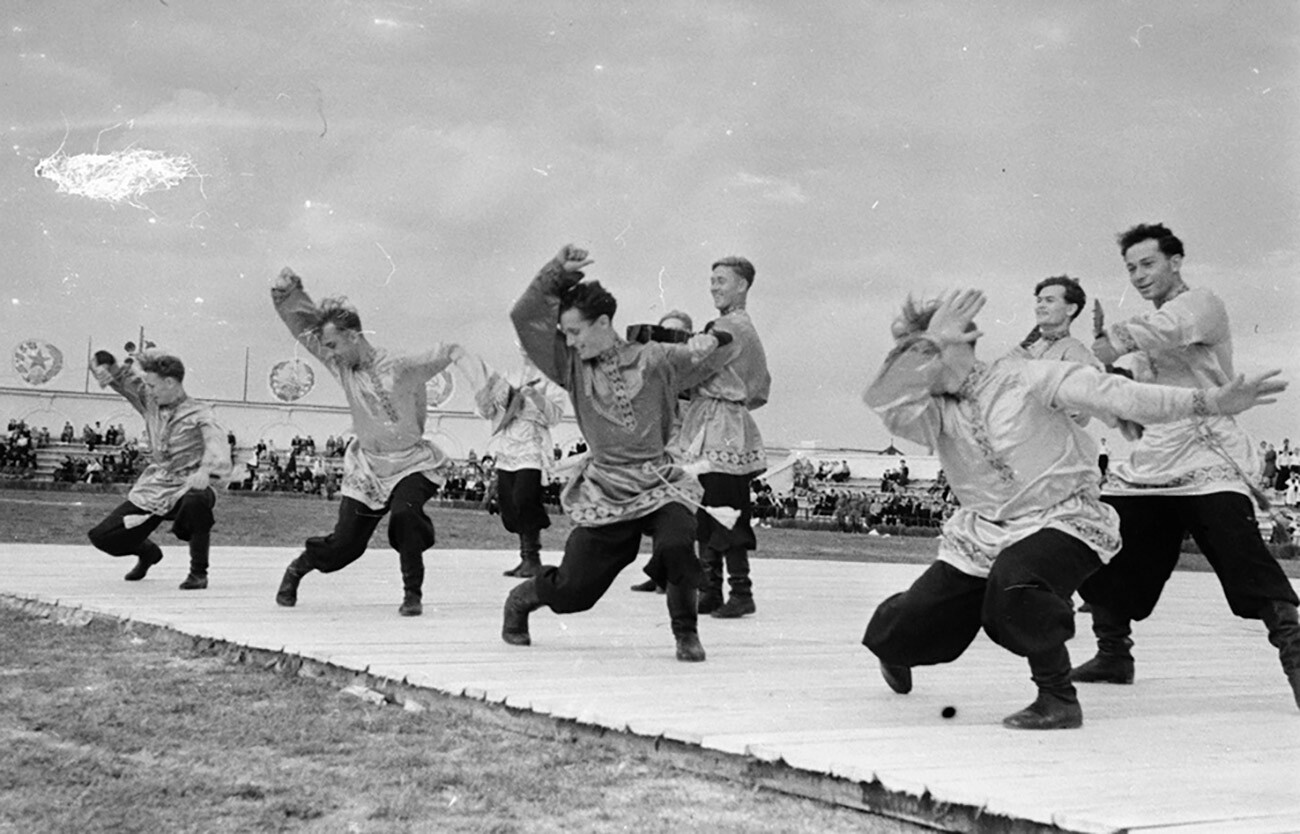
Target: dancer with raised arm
[(624, 396), (1031, 526), (187, 453), (389, 466)]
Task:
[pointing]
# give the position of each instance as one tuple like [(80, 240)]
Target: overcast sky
[(426, 158)]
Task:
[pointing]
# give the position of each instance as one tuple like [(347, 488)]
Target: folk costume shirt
[(389, 405), (182, 437), (624, 401), (1186, 343), (1013, 456), (716, 423), (1064, 349)]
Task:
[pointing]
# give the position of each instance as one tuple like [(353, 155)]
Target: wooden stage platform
[(1207, 741)]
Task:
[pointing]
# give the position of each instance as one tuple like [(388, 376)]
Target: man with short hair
[(389, 467), (1031, 526), (624, 397), (187, 451), (1196, 475), (1058, 301)]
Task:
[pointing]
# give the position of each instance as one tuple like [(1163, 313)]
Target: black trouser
[(190, 516), (594, 556), (1024, 605), (723, 490), (410, 531), (1153, 527), (519, 494)]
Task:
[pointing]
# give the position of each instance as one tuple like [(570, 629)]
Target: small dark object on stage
[(948, 712)]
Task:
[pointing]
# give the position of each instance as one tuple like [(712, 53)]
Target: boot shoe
[(141, 569), (287, 595), (709, 603), (514, 625), (1047, 712), (1104, 668), (899, 678), (689, 648), (195, 582), (411, 605), (647, 586), (735, 607)]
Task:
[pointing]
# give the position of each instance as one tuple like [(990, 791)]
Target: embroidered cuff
[(1201, 403)]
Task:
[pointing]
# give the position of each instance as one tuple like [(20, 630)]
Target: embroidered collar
[(967, 389), (1054, 337)]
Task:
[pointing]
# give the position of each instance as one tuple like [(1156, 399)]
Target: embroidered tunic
[(182, 437), (716, 423), (624, 401), (521, 415), (1186, 343), (389, 405), (1013, 456)]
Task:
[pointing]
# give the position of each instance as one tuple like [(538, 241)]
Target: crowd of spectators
[(18, 453)]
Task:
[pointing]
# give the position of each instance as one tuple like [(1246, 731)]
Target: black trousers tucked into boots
[(594, 556), (410, 532), (191, 519), (520, 496), (1024, 606)]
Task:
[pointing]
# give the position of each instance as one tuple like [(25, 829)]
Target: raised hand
[(572, 257), (1241, 393), (955, 313), (286, 280), (1098, 319)]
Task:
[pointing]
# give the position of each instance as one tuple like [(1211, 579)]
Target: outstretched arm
[(1082, 388)]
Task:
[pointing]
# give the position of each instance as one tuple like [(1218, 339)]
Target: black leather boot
[(711, 593), (1057, 705), (899, 678), (198, 576), (287, 595), (1114, 660), (530, 556), (741, 601), (1283, 623), (682, 613), (150, 554), (521, 602)]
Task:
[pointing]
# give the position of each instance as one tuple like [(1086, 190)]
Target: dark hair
[(1169, 244), (741, 266), (164, 365), (590, 299), (339, 312), (1074, 293)]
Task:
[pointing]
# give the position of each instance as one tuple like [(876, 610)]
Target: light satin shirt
[(182, 437), (625, 402), (1186, 343), (522, 415), (389, 405), (1012, 455), (716, 423)]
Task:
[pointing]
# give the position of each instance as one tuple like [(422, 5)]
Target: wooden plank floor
[(1207, 740)]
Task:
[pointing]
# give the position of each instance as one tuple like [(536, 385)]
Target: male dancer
[(1195, 475), (624, 396), (717, 426), (1058, 301), (389, 465), (1031, 526), (187, 449), (522, 416)]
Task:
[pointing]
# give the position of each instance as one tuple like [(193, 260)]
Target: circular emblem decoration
[(37, 362), (291, 379), (440, 388)]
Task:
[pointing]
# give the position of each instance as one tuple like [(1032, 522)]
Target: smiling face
[(728, 289), (588, 338), (1051, 310), (1154, 275)]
